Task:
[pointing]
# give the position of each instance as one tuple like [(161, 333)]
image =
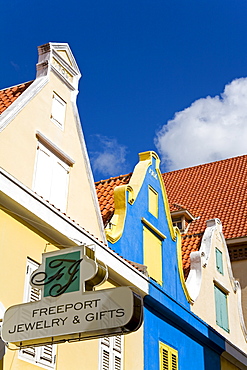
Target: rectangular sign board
[(73, 316)]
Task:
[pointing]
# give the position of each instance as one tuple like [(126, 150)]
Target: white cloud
[(210, 129), (110, 158)]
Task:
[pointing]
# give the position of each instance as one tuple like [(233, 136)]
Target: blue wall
[(195, 348), (167, 314), (130, 245)]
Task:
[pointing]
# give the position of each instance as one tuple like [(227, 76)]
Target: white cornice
[(54, 148), (50, 60), (24, 203)]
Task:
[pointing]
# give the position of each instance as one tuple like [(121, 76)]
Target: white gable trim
[(11, 112), (21, 200)]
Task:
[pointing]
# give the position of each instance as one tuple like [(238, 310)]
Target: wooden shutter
[(153, 201), (51, 177), (58, 110), (168, 357), (164, 359), (44, 355), (152, 246), (219, 261), (221, 308), (43, 172), (59, 184), (105, 359), (111, 352), (174, 364)]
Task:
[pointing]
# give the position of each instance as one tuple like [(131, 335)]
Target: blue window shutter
[(219, 261), (221, 309)]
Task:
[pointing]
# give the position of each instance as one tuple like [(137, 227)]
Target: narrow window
[(44, 355), (58, 110), (111, 353), (152, 254), (219, 261), (221, 309), (153, 201), (51, 177), (168, 357)]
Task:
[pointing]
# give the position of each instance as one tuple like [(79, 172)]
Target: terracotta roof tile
[(213, 190), (105, 193), (9, 95)]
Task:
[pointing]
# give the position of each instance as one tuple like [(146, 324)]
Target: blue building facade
[(141, 231)]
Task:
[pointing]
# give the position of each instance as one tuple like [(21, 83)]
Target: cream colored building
[(216, 295), (48, 202)]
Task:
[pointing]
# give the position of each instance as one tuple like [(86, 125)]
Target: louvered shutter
[(30, 294), (174, 362), (105, 359), (117, 352), (219, 261), (111, 353), (47, 355), (165, 361), (168, 357), (44, 355)]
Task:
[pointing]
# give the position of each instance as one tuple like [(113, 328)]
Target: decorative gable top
[(9, 95), (213, 190), (58, 57)]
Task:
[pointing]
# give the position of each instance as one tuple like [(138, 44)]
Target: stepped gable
[(9, 95), (105, 194)]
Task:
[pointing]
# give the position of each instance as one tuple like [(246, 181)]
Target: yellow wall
[(17, 242), (18, 145)]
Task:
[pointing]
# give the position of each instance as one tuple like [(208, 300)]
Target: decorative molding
[(180, 265), (153, 228), (128, 193), (54, 148), (221, 286), (88, 170), (50, 60)]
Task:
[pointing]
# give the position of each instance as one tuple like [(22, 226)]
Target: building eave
[(35, 211)]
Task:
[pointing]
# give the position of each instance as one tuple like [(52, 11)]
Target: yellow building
[(47, 203)]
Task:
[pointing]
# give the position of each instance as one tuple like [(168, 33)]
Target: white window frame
[(43, 356), (58, 110), (111, 353)]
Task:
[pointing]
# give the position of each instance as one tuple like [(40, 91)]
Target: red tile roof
[(213, 190), (9, 95), (105, 193)]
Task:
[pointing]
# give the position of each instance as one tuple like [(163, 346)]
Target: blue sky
[(157, 75)]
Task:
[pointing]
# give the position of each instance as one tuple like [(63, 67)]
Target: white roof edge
[(33, 209), (232, 352), (11, 112)]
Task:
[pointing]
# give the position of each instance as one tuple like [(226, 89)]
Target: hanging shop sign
[(68, 311)]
